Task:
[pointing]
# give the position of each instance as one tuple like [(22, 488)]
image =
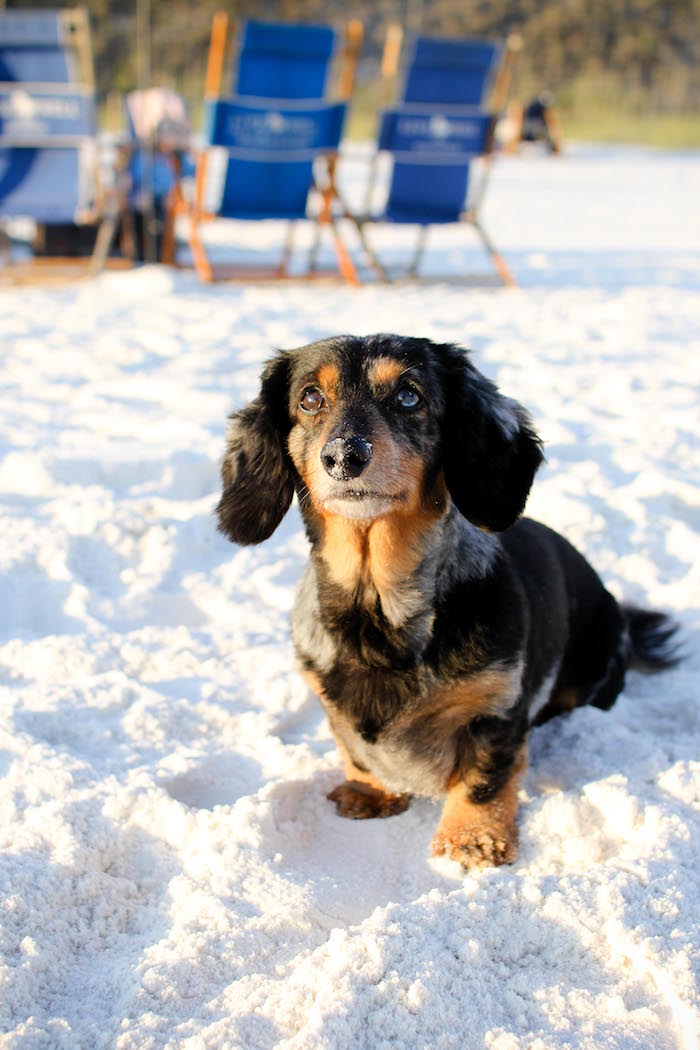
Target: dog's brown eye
[(407, 396), (312, 400)]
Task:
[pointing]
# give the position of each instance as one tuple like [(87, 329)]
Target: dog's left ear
[(257, 471), (490, 451)]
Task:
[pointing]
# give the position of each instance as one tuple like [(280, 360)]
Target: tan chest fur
[(383, 559)]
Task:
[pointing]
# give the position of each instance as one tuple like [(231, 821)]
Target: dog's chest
[(421, 742), (399, 717), (419, 764)]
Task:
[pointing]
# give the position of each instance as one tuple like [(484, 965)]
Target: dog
[(435, 624)]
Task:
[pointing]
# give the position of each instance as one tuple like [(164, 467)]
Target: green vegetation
[(663, 130), (594, 110), (624, 70)]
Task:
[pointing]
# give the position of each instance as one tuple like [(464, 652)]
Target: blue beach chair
[(47, 141), (452, 93), (278, 134), (48, 145)]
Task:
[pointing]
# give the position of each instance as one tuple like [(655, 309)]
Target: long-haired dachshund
[(434, 625)]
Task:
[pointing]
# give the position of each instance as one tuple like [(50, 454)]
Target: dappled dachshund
[(434, 625)]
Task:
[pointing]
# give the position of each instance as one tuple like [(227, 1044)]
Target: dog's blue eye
[(312, 400), (407, 397)]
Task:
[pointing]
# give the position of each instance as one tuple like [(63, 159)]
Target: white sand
[(171, 872)]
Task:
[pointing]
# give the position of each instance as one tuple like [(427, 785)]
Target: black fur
[(257, 474), (651, 634), (523, 605), (488, 472)]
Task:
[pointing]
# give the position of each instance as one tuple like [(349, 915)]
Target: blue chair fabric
[(451, 72), (46, 140), (284, 61), (432, 148), (270, 153), (271, 148), (33, 48)]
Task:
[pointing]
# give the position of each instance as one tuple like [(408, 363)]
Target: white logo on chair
[(22, 113), (439, 127), (437, 133), (276, 123), (272, 130)]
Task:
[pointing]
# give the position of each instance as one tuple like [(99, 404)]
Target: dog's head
[(365, 427)]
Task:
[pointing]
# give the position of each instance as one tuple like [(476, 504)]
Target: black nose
[(345, 458)]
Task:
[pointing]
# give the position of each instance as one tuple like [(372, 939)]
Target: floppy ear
[(257, 471), (490, 451)]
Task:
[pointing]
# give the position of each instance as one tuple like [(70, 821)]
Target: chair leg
[(345, 263), (514, 123), (167, 251), (418, 254), (313, 250), (348, 214), (287, 251), (5, 247), (366, 246), (127, 237), (103, 242), (496, 258), (199, 255)]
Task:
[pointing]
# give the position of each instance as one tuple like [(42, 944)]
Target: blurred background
[(619, 70)]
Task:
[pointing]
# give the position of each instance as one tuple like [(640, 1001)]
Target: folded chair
[(156, 157), (276, 137), (48, 145), (452, 93)]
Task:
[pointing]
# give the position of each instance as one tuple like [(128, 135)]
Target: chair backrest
[(269, 153), (278, 121), (451, 72), (284, 61), (42, 47), (432, 136), (432, 147), (47, 142)]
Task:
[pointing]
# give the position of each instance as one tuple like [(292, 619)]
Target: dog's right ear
[(257, 470)]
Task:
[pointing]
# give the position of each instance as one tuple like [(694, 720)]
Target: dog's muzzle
[(345, 458)]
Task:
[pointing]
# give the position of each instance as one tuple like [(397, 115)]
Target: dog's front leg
[(362, 795), (481, 834)]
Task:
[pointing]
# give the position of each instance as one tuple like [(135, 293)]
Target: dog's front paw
[(361, 801), (476, 847)]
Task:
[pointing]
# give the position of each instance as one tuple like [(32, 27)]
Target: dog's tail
[(653, 639)]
